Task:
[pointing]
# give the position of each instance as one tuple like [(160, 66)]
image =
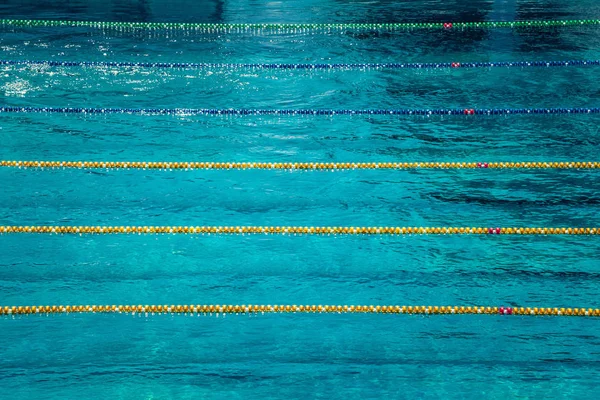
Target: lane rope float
[(288, 66), (300, 309), (295, 166), (300, 112), (295, 27), (295, 230)]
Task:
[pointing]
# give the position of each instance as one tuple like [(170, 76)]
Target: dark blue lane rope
[(330, 112), (320, 66)]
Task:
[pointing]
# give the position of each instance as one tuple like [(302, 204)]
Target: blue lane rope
[(329, 112), (320, 66)]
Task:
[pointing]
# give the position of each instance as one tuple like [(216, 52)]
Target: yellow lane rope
[(305, 309), (296, 230), (304, 166)]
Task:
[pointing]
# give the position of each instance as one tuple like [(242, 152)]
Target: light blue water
[(299, 356)]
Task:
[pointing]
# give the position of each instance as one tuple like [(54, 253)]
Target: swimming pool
[(326, 355)]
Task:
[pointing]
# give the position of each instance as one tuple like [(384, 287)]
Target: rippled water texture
[(299, 356)]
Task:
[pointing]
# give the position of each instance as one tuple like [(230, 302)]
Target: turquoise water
[(299, 356)]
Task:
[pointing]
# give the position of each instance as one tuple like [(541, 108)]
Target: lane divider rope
[(332, 66), (291, 27), (295, 230), (296, 166), (301, 309), (297, 112)]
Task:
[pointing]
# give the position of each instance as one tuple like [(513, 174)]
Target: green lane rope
[(234, 27)]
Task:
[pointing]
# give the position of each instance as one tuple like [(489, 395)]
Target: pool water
[(298, 355)]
